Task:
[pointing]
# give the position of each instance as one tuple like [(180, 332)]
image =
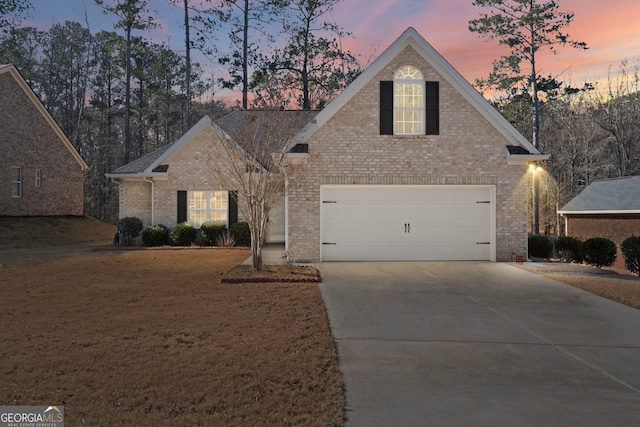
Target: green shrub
[(570, 249), (540, 246), (183, 234), (599, 252), (155, 235), (130, 228), (241, 234), (631, 250), (210, 231)]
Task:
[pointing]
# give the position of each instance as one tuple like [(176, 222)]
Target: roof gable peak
[(411, 37)]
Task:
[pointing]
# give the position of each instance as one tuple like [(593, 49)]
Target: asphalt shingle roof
[(234, 124), (141, 164), (291, 122), (618, 194)]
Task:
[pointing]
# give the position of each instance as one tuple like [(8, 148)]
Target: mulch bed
[(272, 274)]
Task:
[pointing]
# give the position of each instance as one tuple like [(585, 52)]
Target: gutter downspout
[(153, 193)]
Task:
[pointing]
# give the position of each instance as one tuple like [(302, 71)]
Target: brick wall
[(28, 142), (191, 169), (613, 227), (348, 149)]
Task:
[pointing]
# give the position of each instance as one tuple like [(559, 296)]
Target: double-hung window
[(38, 182), (208, 206), (408, 101), (16, 181)]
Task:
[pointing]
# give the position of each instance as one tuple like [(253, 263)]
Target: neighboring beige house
[(42, 174), (606, 208), (410, 162)]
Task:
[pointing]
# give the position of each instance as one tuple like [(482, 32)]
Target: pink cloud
[(611, 32)]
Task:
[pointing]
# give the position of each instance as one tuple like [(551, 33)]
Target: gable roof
[(412, 38), (13, 72), (229, 128), (607, 196), (153, 164)]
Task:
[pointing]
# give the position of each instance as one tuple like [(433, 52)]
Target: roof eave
[(524, 159), (161, 176), (601, 212)]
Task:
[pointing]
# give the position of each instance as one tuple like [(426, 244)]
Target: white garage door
[(418, 222)]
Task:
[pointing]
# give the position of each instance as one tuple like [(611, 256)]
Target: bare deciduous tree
[(252, 162), (618, 113)]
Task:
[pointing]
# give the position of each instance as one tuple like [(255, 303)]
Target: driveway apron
[(479, 344)]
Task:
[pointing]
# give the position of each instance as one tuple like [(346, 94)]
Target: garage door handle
[(407, 227), (329, 243), (483, 243)]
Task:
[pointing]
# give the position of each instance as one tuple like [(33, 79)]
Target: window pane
[(196, 218), (197, 200), (408, 73), (16, 174), (218, 200), (219, 216)]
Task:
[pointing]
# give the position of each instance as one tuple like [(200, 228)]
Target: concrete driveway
[(479, 344)]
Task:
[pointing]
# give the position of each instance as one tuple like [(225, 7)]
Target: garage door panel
[(407, 223)]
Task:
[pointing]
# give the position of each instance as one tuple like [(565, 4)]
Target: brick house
[(409, 162), (606, 208), (42, 174)]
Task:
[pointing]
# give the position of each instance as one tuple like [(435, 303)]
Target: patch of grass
[(34, 232), (152, 337)]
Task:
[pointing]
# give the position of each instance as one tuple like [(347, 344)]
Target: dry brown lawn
[(152, 337), (615, 284)]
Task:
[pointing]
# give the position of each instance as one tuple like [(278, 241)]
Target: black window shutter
[(182, 206), (432, 110), (233, 207), (386, 108)]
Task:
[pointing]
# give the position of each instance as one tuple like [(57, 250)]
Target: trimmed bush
[(130, 228), (570, 249), (155, 235), (631, 250), (210, 232), (241, 233), (540, 246), (599, 252), (183, 234)]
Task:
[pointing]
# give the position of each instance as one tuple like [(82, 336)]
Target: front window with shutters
[(207, 206), (408, 101)]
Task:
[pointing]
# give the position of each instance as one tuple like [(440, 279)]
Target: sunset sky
[(610, 29)]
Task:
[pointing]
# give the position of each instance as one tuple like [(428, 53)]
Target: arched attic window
[(408, 101), (408, 104)]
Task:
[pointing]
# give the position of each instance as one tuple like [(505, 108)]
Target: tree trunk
[(127, 99), (188, 64), (245, 60), (536, 135)]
